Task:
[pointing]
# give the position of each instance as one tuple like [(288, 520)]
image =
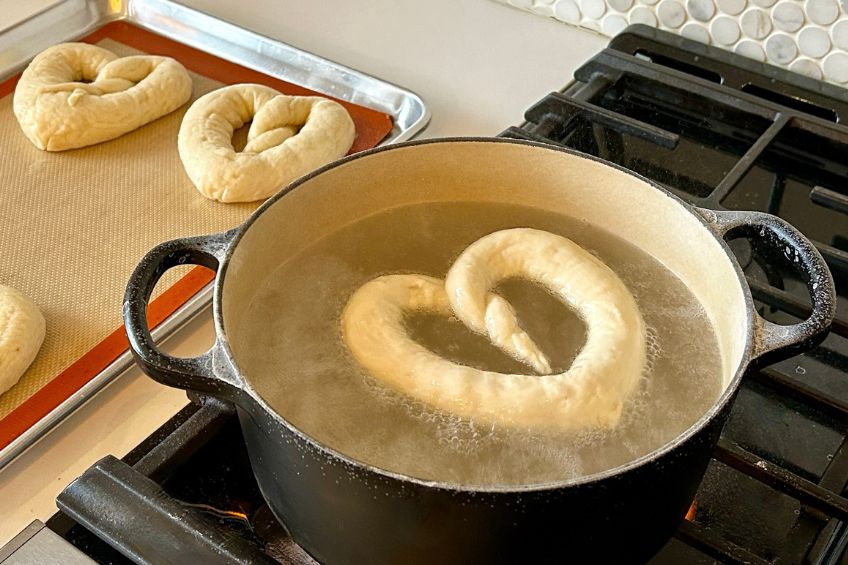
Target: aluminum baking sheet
[(67, 20)]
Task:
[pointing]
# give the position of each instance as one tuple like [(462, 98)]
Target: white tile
[(696, 32), (750, 49), (780, 48), (620, 5), (725, 30), (835, 67), (809, 37), (806, 67), (732, 7), (642, 15), (788, 16), (701, 10), (567, 11), (822, 12), (671, 13), (613, 24), (593, 9), (756, 23), (814, 42), (839, 33)]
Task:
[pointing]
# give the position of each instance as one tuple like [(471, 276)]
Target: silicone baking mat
[(74, 224)]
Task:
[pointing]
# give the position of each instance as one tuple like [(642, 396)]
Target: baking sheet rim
[(147, 20)]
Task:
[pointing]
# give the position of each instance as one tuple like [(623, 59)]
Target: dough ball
[(21, 334)]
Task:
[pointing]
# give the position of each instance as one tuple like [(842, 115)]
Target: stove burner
[(721, 132)]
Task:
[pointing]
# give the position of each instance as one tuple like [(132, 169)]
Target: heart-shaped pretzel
[(75, 94), (589, 394), (289, 136)]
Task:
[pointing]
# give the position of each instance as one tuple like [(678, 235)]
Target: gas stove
[(718, 130)]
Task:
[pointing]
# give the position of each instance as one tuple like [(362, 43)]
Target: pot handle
[(773, 342), (194, 373)]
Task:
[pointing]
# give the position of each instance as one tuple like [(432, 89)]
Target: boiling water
[(302, 368)]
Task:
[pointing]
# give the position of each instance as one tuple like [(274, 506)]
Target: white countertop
[(477, 64)]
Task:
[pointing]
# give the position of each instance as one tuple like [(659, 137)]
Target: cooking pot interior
[(487, 171)]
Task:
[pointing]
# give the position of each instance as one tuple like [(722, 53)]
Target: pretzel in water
[(589, 394), (289, 136), (76, 94)]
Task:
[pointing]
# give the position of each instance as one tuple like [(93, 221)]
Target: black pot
[(344, 511)]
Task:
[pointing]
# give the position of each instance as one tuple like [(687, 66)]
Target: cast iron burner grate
[(724, 132), (718, 130)]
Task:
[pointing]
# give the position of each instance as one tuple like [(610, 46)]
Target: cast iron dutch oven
[(344, 511)]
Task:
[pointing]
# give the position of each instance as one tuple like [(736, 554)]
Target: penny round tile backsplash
[(809, 37)]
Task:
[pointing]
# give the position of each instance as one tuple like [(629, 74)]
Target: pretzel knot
[(589, 394), (289, 136), (75, 94)]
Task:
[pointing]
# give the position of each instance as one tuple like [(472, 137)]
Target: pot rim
[(718, 405)]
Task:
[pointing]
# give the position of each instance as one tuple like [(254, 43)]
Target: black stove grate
[(189, 484), (723, 132), (719, 131)]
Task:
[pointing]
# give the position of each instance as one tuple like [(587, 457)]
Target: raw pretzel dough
[(21, 335), (591, 393), (56, 111), (289, 137)]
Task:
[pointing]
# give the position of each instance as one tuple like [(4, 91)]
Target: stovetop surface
[(726, 133), (721, 132)]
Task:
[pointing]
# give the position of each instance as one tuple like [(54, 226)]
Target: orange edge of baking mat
[(371, 127), (97, 359)]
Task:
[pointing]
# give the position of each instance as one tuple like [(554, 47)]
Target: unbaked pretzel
[(22, 330), (57, 109), (590, 394), (289, 136)]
